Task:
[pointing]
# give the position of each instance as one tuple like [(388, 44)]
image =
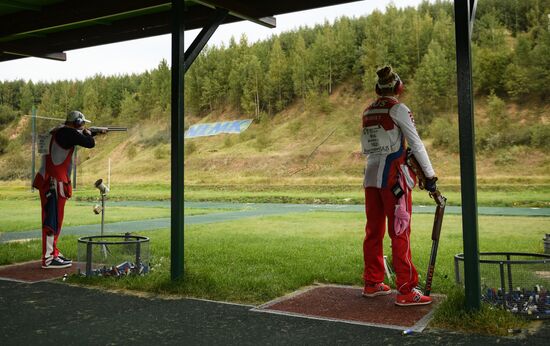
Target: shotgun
[(440, 202)]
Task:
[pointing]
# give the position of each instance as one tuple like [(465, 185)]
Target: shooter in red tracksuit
[(54, 184), (388, 127)]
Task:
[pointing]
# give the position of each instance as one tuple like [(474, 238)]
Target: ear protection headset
[(396, 85), (79, 121), (77, 118)]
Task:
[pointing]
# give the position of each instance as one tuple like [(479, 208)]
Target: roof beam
[(127, 29), (237, 9), (19, 5), (60, 56), (68, 12), (200, 41), (122, 30)]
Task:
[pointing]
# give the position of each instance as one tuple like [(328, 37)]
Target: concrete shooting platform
[(346, 304), (31, 272)]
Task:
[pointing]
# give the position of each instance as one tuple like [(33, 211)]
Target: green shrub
[(496, 111), (318, 102), (540, 136), (4, 141), (517, 134), (488, 139), (7, 115), (228, 141), (247, 135), (16, 167), (132, 151), (262, 141), (161, 152), (294, 127), (505, 158), (445, 134), (160, 137), (190, 147)]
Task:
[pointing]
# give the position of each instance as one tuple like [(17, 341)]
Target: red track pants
[(380, 205), (53, 210)]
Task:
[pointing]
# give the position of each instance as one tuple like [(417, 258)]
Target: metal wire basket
[(518, 282), (113, 255)]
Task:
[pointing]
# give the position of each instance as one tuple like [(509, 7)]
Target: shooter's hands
[(87, 132), (431, 186)]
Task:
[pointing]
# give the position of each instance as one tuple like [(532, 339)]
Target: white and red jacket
[(388, 127)]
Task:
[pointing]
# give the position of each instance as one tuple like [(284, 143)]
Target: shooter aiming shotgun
[(440, 201), (53, 181)]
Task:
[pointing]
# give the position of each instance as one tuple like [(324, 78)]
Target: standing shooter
[(388, 127), (54, 184)]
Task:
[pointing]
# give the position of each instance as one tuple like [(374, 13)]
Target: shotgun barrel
[(441, 201), (98, 129)]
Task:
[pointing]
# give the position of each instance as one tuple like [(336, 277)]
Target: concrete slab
[(31, 272), (346, 304)]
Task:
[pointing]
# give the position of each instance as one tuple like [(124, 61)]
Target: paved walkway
[(243, 210), (52, 313)]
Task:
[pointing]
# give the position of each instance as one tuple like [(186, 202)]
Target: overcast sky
[(137, 56)]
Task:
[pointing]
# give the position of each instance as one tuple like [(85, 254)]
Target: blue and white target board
[(212, 129)]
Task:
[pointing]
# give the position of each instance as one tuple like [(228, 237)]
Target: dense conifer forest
[(511, 53)]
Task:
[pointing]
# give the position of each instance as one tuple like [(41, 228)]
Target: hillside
[(305, 90), (319, 145)]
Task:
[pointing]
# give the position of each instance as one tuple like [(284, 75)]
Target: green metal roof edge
[(105, 19)]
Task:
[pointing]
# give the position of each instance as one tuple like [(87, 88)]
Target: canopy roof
[(47, 28)]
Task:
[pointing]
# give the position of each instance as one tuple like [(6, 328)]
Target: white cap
[(76, 116)]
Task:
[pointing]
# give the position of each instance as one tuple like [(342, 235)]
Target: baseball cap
[(76, 116)]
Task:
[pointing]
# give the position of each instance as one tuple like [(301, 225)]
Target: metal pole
[(103, 246), (89, 258), (33, 164), (109, 175), (177, 126), (467, 154), (502, 287), (457, 272), (509, 267), (137, 266), (102, 213), (75, 158)]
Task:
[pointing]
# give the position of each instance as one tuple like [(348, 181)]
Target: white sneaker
[(57, 263), (65, 259)]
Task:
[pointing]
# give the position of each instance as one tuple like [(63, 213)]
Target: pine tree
[(300, 62), (276, 76), (252, 73)]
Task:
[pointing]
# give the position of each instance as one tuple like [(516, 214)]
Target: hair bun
[(385, 75)]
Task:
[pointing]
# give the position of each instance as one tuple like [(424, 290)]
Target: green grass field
[(25, 214), (295, 250), (21, 215), (255, 260), (504, 194)]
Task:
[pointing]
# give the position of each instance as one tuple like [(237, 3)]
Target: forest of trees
[(511, 51)]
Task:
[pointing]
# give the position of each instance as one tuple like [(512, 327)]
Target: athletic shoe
[(57, 263), (65, 259), (380, 289), (414, 297)]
